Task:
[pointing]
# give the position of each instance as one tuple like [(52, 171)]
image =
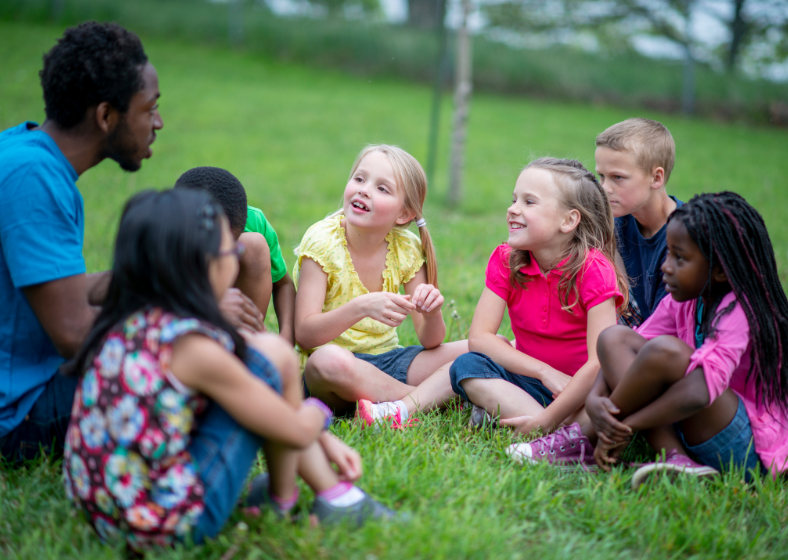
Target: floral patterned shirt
[(126, 463)]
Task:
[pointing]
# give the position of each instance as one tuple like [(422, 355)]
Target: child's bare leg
[(434, 392), (427, 362), (282, 461), (496, 395), (254, 274), (335, 376)]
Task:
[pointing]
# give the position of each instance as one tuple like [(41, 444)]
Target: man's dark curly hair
[(93, 62), (225, 188)]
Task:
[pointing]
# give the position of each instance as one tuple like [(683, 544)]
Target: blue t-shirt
[(643, 258), (41, 233)]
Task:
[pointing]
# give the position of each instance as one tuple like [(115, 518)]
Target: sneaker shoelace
[(563, 436)]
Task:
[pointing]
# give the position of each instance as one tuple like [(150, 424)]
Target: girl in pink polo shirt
[(706, 376), (556, 278)]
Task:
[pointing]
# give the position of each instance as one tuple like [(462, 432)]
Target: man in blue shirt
[(101, 101)]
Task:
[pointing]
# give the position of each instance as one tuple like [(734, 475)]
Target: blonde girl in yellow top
[(348, 273)]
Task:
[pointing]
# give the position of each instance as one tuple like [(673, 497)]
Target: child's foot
[(567, 447), (373, 413), (260, 498), (348, 504), (674, 463), (480, 418)]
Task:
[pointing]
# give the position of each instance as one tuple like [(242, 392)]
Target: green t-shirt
[(256, 222)]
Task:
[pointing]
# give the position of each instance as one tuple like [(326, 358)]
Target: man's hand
[(347, 460), (241, 311)]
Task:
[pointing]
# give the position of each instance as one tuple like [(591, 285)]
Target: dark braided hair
[(731, 234)]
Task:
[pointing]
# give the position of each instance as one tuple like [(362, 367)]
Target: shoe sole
[(562, 467), (364, 413), (643, 473)]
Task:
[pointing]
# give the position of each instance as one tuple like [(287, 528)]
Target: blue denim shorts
[(476, 365), (733, 447), (224, 452), (394, 363)]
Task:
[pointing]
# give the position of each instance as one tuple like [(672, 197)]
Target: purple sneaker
[(567, 448), (674, 463)]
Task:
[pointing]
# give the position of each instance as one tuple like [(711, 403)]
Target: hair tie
[(421, 222)]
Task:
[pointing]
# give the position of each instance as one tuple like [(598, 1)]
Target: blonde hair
[(412, 183), (649, 141), (578, 190)]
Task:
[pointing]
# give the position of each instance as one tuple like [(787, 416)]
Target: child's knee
[(666, 351), (330, 364), (257, 254), (279, 352)]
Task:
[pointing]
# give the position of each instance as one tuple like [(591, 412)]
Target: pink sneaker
[(567, 448), (374, 413), (674, 463)]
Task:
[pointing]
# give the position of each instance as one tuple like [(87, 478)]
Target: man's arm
[(284, 307), (64, 310), (98, 285)]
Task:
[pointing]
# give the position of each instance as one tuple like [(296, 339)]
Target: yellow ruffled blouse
[(326, 244)]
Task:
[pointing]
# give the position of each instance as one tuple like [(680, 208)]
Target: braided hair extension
[(731, 234)]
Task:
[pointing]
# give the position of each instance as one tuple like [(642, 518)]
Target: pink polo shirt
[(541, 328), (725, 360)]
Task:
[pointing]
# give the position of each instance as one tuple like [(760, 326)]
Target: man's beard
[(122, 147)]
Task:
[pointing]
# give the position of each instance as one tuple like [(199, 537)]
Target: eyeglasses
[(238, 251)]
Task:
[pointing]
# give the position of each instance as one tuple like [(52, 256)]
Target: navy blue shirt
[(643, 258), (41, 234)]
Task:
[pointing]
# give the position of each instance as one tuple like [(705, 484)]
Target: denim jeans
[(45, 426), (476, 365), (224, 452), (733, 447)]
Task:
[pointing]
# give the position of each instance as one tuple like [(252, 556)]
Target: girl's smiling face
[(536, 217), (685, 270), (372, 199)]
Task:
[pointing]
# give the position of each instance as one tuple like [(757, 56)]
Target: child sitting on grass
[(263, 272), (706, 376), (349, 271), (173, 404), (556, 278), (634, 159)]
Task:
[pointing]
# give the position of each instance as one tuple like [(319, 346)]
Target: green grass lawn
[(291, 134)]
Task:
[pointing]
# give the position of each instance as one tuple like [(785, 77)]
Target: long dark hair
[(731, 234), (162, 251)]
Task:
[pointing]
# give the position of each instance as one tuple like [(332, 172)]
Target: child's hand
[(390, 309), (427, 299), (241, 311), (607, 454), (523, 424), (601, 412), (556, 381), (347, 460)]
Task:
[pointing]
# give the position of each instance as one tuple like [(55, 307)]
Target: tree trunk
[(423, 13), (738, 31), (462, 96), (437, 94)]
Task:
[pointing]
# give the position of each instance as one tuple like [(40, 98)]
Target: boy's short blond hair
[(649, 141)]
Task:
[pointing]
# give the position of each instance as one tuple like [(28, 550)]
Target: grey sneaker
[(480, 418), (356, 514)]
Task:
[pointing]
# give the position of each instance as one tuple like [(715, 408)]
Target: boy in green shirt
[(263, 272)]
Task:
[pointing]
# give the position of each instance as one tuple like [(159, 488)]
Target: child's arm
[(574, 396), (314, 328), (427, 319), (284, 307), (202, 364), (483, 338)]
